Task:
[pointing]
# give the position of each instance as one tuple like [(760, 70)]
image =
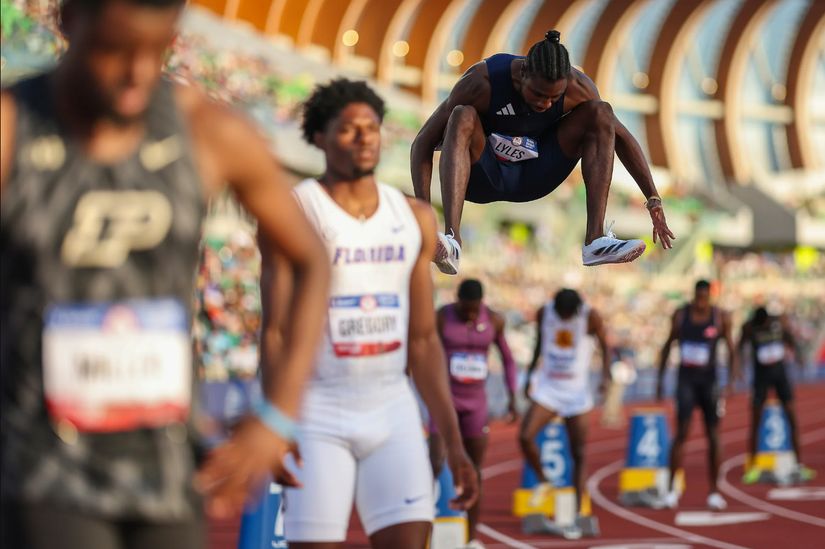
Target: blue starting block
[(557, 463), (775, 459), (646, 474), (262, 523), (450, 527)]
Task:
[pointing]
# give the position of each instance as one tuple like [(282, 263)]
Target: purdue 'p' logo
[(110, 224)]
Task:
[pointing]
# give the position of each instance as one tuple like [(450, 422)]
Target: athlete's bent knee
[(599, 114)]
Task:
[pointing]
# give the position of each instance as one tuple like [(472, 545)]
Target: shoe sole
[(443, 264), (446, 268), (632, 255)]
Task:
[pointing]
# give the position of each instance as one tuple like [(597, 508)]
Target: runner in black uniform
[(769, 338), (512, 129), (698, 327), (106, 169)]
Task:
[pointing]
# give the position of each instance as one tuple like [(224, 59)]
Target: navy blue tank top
[(508, 114), (698, 341)]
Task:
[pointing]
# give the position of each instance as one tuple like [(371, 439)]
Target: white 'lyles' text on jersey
[(372, 259)]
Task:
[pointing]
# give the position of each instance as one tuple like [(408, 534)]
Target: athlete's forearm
[(284, 379), (631, 156), (429, 372), (508, 362)]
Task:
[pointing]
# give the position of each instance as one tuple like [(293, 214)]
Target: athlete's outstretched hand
[(252, 456), (661, 231), (465, 479)]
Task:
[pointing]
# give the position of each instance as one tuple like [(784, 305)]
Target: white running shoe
[(716, 502), (447, 253), (609, 249), (474, 544), (671, 500), (541, 492)]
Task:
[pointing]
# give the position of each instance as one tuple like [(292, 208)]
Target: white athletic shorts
[(564, 400), (369, 448)]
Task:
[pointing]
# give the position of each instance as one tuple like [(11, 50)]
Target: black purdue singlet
[(90, 252)]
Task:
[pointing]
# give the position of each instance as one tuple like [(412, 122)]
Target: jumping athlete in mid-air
[(512, 129)]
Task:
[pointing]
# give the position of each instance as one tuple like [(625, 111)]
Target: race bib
[(468, 367), (771, 353), (117, 366), (559, 363), (513, 149), (695, 353), (366, 325)]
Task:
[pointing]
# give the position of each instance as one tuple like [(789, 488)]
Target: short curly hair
[(330, 99)]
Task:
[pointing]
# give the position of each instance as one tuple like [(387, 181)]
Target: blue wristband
[(277, 421)]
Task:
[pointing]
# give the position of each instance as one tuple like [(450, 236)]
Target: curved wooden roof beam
[(426, 19), (553, 14), (732, 66), (677, 34), (395, 32), (810, 40), (481, 26)]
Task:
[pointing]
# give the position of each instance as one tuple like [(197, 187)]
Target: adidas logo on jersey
[(507, 110)]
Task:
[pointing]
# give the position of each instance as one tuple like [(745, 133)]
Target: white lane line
[(757, 503), (604, 502), (647, 543), (498, 536)]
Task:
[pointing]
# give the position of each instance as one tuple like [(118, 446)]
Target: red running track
[(797, 524)]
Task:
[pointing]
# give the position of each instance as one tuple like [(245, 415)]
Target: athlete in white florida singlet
[(567, 332), (360, 437)]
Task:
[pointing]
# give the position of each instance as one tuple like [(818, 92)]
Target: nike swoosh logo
[(409, 501)]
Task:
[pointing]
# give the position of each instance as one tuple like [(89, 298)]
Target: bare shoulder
[(580, 88), (8, 118), (473, 88)]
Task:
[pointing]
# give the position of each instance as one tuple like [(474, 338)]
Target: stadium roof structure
[(720, 93), (715, 89)]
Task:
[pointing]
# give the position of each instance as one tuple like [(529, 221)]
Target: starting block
[(450, 526), (644, 479), (561, 504), (775, 460), (262, 523)]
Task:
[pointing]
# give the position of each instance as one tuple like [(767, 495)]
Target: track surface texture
[(784, 524)]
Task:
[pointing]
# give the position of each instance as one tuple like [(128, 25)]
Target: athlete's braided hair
[(328, 100), (548, 58)]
